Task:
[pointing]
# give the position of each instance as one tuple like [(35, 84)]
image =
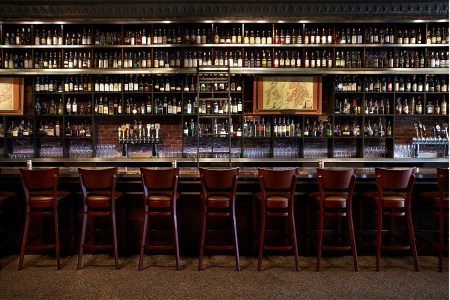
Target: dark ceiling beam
[(220, 9)]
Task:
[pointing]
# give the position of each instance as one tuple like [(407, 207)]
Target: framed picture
[(287, 94), (11, 95)]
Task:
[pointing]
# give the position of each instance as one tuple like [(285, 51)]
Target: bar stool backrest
[(160, 179), (394, 178), (218, 179), (277, 179), (337, 179), (99, 179), (40, 179)]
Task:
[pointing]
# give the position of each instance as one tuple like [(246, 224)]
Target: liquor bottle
[(430, 108), (74, 107), (437, 108), (37, 107), (185, 129), (412, 106), (68, 130), (389, 129), (68, 107), (398, 106), (60, 109), (419, 107), (443, 106), (405, 108)]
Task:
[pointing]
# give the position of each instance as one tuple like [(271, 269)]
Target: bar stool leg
[(441, 237), (144, 235), (72, 227), (351, 231), (378, 242), (202, 237), (294, 237), (254, 226), (412, 239), (114, 230), (83, 236), (261, 236), (319, 240), (24, 240), (175, 239), (307, 228), (55, 217), (235, 239)]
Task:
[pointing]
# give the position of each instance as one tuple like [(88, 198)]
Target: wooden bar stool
[(334, 199), (218, 195), (160, 200), (439, 203), (276, 199), (42, 199), (8, 204), (393, 200), (99, 200)]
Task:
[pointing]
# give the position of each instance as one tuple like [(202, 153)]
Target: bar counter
[(245, 172), (188, 206)]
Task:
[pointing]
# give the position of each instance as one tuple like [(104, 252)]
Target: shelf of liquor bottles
[(404, 45), (89, 76)]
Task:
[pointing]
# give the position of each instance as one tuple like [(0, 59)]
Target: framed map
[(288, 94), (11, 96)]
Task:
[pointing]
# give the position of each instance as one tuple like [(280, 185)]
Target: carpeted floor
[(219, 280)]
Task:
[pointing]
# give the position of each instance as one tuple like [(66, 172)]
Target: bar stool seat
[(332, 199), (101, 198), (275, 199), (389, 199)]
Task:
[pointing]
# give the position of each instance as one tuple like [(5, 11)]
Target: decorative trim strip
[(215, 9)]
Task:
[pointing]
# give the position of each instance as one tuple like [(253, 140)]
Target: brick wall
[(404, 126)]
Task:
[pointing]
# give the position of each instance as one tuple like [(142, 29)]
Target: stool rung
[(278, 248)]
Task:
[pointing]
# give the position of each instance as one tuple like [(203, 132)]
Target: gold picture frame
[(11, 95), (287, 94)]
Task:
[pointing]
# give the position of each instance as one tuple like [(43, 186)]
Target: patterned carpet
[(220, 280)]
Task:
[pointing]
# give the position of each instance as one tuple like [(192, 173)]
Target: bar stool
[(334, 199), (439, 203), (99, 200), (160, 200), (42, 199), (218, 195), (8, 203), (276, 199), (393, 199)]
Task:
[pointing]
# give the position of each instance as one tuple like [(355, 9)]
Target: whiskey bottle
[(74, 107), (419, 107), (68, 130), (437, 108), (443, 106), (430, 108), (68, 107), (398, 106), (389, 129)]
